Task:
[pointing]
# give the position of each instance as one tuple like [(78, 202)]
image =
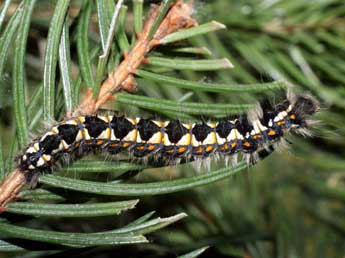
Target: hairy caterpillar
[(170, 139)]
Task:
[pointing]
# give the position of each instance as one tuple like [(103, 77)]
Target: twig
[(178, 17)]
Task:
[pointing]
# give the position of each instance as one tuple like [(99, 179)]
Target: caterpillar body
[(169, 139)]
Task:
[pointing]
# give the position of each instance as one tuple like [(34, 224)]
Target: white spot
[(112, 136), (31, 167), (40, 162), (270, 123), (31, 150), (235, 135), (258, 127), (80, 136), (36, 146), (73, 122), (220, 140), (47, 134), (24, 157), (65, 146)]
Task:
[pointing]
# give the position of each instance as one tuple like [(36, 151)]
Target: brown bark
[(178, 17)]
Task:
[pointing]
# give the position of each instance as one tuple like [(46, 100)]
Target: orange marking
[(257, 136), (292, 116), (170, 151), (77, 145), (246, 144), (151, 147), (142, 147), (99, 142), (125, 144), (182, 149), (282, 122), (198, 150), (233, 145), (226, 146), (271, 133), (114, 145), (209, 148)]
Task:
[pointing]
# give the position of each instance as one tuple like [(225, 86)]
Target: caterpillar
[(247, 134)]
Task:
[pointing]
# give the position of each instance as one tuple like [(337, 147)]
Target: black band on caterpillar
[(255, 132)]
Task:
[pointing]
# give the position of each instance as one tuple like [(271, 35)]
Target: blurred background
[(289, 205)]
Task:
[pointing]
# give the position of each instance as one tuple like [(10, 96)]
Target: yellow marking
[(81, 119), (166, 141), (36, 146), (55, 130), (131, 136), (212, 125), (133, 121), (185, 140), (80, 136), (106, 134), (156, 138), (195, 143), (46, 157), (86, 134), (209, 148), (210, 139), (104, 118), (158, 123), (188, 126), (292, 116)]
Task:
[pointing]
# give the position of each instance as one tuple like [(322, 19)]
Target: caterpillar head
[(304, 107)]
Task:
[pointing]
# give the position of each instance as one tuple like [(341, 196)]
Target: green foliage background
[(289, 205)]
